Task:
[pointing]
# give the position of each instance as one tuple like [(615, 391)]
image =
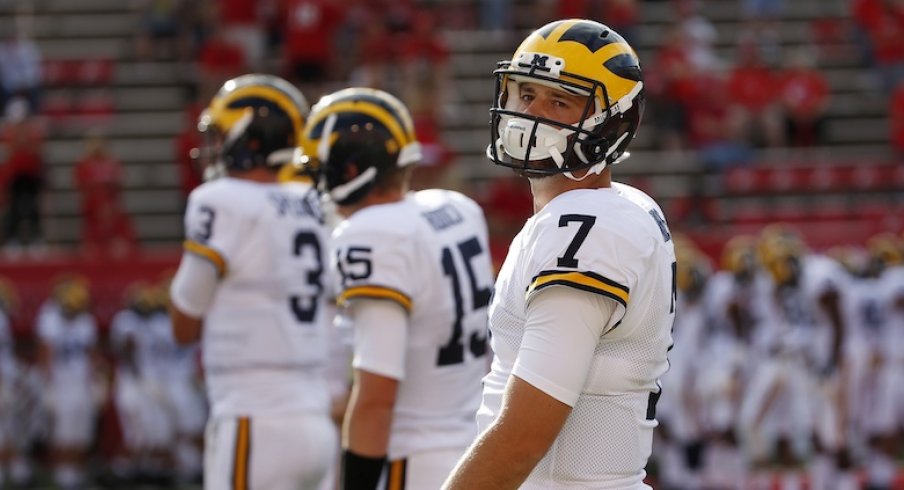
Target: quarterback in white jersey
[(583, 308), (253, 270), (414, 280)]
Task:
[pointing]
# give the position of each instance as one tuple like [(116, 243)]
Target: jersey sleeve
[(373, 265), (212, 229), (584, 253)]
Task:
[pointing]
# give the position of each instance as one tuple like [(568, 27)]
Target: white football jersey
[(429, 253), (893, 284), (157, 355), (69, 341), (7, 359), (264, 337), (796, 317), (613, 242), (751, 299)]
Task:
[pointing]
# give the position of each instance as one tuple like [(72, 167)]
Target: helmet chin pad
[(527, 139)]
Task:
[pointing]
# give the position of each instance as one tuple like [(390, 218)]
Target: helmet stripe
[(220, 107), (375, 111), (591, 35)]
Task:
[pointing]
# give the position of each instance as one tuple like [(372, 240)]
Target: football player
[(874, 362), (67, 332), (805, 303), (584, 303), (250, 288), (682, 445), (414, 280), (147, 432)]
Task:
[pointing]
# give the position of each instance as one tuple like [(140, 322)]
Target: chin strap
[(599, 167)]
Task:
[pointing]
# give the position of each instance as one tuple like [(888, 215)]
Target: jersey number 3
[(304, 307)]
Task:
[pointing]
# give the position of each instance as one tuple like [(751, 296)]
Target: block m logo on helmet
[(539, 60), (542, 63)]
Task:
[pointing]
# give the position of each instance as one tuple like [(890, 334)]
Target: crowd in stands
[(720, 107)]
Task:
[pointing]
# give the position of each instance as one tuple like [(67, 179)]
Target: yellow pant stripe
[(396, 477), (242, 454)]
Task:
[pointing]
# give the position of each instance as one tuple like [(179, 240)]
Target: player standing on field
[(415, 279), (584, 303), (252, 276)]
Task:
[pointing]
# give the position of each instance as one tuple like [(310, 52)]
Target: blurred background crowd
[(759, 111)]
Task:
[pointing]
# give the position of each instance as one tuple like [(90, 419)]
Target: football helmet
[(142, 298), (254, 120), (9, 299), (782, 257), (692, 271), (578, 57), (739, 257), (72, 294), (353, 137), (884, 251)]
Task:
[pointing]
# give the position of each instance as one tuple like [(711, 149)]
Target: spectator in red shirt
[(804, 95), (106, 228), (242, 22), (886, 36), (309, 33), (424, 59), (375, 57), (671, 85), (752, 87), (22, 177), (621, 15), (218, 61)]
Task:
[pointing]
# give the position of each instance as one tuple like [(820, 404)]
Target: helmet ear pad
[(351, 155), (620, 125), (268, 132)]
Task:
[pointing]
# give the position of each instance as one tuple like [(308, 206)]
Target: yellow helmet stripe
[(230, 116), (373, 110)]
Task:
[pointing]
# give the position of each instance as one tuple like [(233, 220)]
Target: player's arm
[(191, 295), (380, 332), (561, 333)]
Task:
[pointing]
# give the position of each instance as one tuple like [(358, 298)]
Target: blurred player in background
[(680, 413), (583, 308), (67, 334), (872, 374), (161, 410), (415, 279), (250, 287), (804, 309), (147, 433)]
